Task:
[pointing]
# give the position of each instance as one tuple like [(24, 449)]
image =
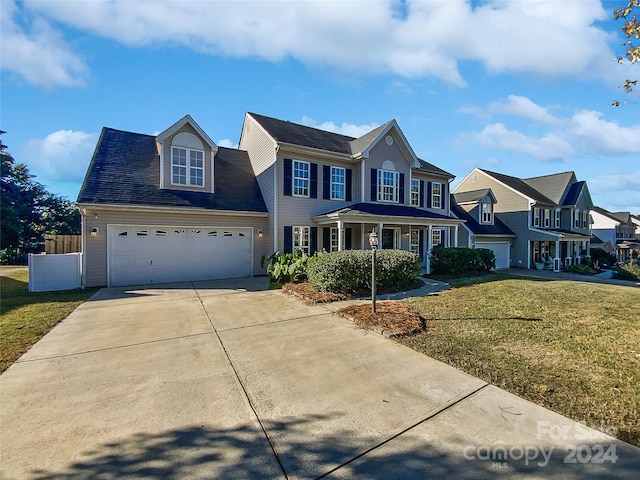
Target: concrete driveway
[(229, 380)]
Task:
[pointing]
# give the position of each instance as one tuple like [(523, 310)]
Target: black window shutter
[(314, 181), (313, 240), (421, 243), (288, 176), (401, 197), (422, 193), (428, 194), (348, 179), (288, 239), (347, 238), (326, 182), (374, 184), (326, 238)]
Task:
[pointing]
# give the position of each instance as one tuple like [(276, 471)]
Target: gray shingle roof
[(472, 196), (295, 134), (125, 170), (552, 186), (388, 210), (520, 185), (574, 193), (498, 228)]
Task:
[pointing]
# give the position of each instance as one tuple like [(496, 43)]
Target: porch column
[(455, 236), (363, 237), (340, 239), (556, 260), (380, 236), (428, 245)]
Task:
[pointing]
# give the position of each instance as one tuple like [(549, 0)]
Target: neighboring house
[(549, 215), (617, 229), (176, 207), (482, 229)]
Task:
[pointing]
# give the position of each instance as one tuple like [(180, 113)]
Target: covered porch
[(566, 249), (398, 227)]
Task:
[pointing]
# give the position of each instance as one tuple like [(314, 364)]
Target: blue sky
[(520, 87)]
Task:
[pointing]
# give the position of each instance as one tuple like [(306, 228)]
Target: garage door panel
[(144, 255), (500, 250)]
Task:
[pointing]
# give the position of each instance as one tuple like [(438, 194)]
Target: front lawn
[(571, 347), (25, 317)]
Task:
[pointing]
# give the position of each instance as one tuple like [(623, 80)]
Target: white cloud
[(60, 156), (525, 108), (548, 147), (344, 128), (615, 181), (585, 132), (428, 39), (37, 52), (225, 142)]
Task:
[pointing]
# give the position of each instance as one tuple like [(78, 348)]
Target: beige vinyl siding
[(208, 163), (508, 200), (95, 248)]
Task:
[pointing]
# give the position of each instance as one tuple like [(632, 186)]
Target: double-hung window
[(576, 219), (388, 186), (334, 239), (557, 218), (547, 218), (585, 218), (536, 216), (300, 178), (301, 239), (486, 213), (436, 238), (415, 192), (187, 167), (436, 195), (337, 183)]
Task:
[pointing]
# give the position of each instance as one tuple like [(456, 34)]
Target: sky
[(520, 87)]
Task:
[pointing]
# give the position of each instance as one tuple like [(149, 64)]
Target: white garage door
[(501, 251), (140, 255)]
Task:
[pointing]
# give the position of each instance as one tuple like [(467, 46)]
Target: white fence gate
[(55, 272)]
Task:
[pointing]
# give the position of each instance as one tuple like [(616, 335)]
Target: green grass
[(569, 346), (25, 317)]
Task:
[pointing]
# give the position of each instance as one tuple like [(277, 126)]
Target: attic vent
[(388, 165), (474, 179), (186, 139), (389, 140)]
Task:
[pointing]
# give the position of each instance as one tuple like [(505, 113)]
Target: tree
[(28, 211), (631, 29)]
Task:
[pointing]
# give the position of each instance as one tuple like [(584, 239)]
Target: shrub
[(627, 271), (350, 270), (601, 258), (583, 269), (286, 267), (458, 261)]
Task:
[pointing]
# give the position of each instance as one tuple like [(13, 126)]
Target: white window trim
[(547, 218), (440, 233), (333, 239), (486, 218), (557, 219), (294, 178), (415, 194), (414, 246), (435, 195), (188, 167), (576, 218), (536, 216), (396, 186), (301, 238), (332, 183)]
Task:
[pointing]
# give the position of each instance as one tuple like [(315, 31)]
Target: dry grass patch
[(571, 347)]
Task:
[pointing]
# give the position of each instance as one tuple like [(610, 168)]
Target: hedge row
[(350, 270), (458, 261)]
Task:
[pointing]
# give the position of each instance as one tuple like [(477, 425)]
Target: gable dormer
[(187, 157), (479, 204)]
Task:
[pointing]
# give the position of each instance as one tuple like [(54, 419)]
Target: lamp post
[(373, 242)]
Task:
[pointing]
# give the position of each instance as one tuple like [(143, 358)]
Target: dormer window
[(187, 160), (486, 213)]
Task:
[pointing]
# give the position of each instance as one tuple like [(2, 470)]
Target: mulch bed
[(390, 319)]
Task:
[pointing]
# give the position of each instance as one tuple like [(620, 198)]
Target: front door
[(390, 238)]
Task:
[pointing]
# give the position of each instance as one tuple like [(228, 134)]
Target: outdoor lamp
[(94, 231), (373, 241), (260, 233)]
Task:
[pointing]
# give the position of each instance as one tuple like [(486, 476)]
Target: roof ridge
[(304, 126)]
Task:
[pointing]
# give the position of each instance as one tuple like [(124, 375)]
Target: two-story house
[(619, 230), (177, 207), (549, 216)]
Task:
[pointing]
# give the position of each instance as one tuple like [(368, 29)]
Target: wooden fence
[(62, 244)]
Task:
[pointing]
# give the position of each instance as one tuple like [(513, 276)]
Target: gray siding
[(95, 248), (166, 159)]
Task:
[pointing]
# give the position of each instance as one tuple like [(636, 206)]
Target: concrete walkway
[(230, 380)]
